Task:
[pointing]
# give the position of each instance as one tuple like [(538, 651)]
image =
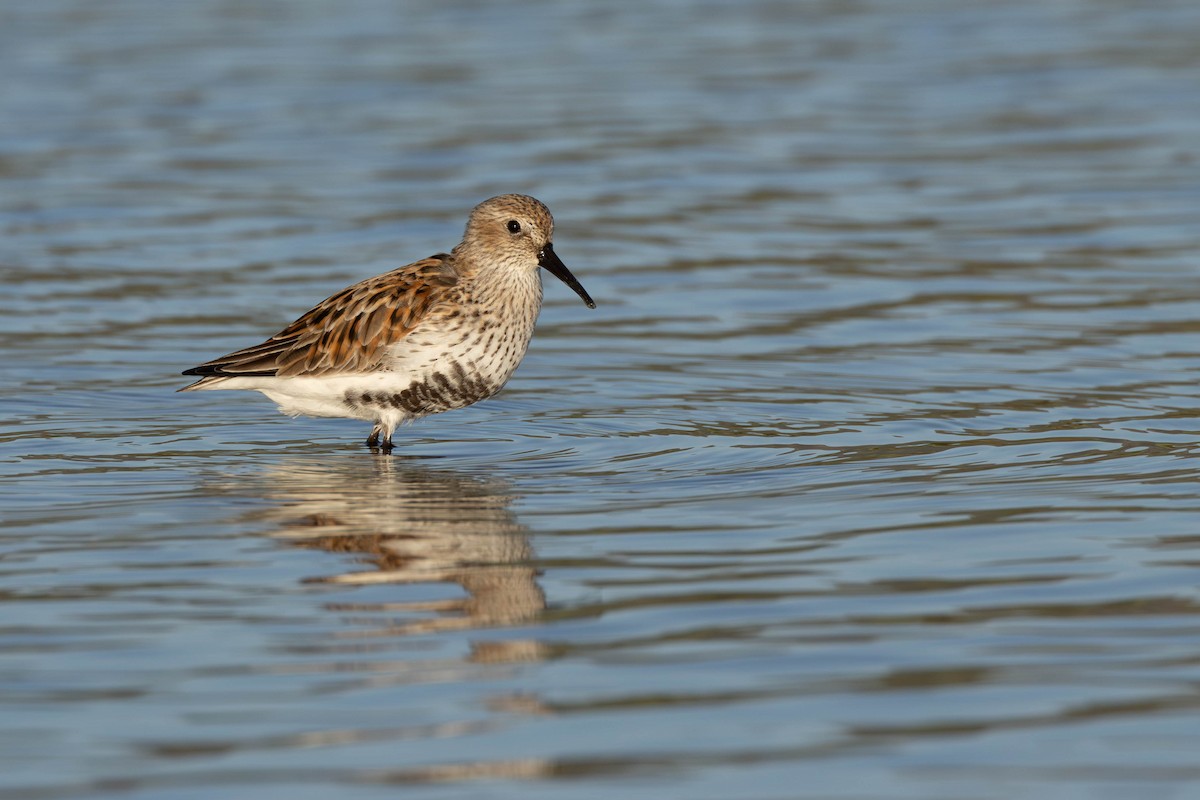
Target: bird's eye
[(514, 226)]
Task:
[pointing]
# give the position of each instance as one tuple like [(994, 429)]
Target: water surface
[(872, 476)]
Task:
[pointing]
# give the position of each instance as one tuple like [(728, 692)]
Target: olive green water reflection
[(873, 474)]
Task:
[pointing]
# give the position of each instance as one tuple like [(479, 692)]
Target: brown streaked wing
[(350, 331)]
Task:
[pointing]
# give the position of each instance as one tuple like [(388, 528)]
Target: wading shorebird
[(439, 334)]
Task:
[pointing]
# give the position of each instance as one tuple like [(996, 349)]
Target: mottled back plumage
[(348, 332)]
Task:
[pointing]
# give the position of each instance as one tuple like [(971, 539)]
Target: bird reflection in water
[(417, 525)]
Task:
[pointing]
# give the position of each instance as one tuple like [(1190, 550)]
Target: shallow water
[(872, 476)]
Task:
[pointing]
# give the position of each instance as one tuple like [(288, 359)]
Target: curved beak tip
[(554, 265)]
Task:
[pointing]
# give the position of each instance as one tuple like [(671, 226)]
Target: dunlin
[(439, 334)]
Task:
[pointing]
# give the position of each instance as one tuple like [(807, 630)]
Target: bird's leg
[(387, 445), (373, 439)]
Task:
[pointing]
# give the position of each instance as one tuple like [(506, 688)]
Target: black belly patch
[(440, 392)]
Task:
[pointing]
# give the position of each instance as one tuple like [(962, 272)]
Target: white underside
[(324, 397)]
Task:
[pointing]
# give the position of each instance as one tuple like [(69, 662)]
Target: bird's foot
[(379, 442)]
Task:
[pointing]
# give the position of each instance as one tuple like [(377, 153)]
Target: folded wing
[(348, 333)]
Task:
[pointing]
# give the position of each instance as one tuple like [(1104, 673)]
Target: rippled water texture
[(872, 476)]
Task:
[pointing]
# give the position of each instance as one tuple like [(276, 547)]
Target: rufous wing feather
[(347, 333)]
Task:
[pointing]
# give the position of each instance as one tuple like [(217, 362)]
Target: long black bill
[(550, 261)]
